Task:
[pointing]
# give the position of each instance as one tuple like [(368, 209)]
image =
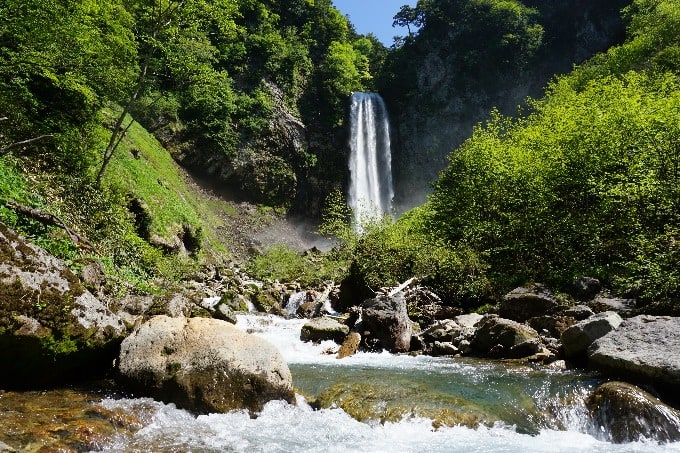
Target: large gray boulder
[(325, 328), (643, 348), (504, 338), (203, 365), (52, 329), (576, 339), (386, 318), (527, 302), (621, 412)]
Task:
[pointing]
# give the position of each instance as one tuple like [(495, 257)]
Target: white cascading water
[(370, 161)]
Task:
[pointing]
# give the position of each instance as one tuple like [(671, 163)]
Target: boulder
[(504, 338), (554, 325), (350, 346), (578, 312), (442, 348), (642, 348), (384, 402), (386, 318), (469, 320), (52, 329), (445, 330), (621, 412), (322, 329), (203, 365), (584, 288), (527, 302), (576, 339), (605, 302)]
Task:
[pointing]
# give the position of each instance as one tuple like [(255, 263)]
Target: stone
[(621, 412), (441, 348), (350, 346), (527, 302), (578, 312), (584, 288), (554, 325), (52, 329), (322, 329), (383, 402), (605, 302), (643, 348), (469, 320), (308, 309), (504, 338), (576, 339), (386, 318), (92, 275), (225, 313), (203, 365), (444, 330)]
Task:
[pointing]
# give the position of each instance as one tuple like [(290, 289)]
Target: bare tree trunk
[(118, 131)]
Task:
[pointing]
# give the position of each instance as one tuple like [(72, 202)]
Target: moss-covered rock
[(385, 403), (51, 328)]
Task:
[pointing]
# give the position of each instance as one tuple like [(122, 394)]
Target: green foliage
[(390, 253)]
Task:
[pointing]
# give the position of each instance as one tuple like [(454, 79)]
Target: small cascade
[(370, 161)]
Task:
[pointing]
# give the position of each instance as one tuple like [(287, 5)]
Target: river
[(520, 408)]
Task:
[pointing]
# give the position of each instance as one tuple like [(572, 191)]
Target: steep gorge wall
[(437, 100)]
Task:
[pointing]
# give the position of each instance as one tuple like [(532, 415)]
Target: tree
[(171, 36), (59, 61), (409, 17)]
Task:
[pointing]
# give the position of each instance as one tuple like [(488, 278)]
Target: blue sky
[(374, 16)]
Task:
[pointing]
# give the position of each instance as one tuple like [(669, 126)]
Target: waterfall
[(370, 161)]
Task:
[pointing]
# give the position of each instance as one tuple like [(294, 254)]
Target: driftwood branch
[(8, 148), (49, 219)]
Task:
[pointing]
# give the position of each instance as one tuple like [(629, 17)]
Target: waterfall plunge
[(370, 160)]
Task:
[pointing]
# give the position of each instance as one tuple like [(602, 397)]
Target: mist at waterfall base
[(370, 162), (501, 389)]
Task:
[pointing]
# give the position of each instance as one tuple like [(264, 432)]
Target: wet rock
[(527, 302), (584, 288), (225, 313), (350, 346), (504, 338), (642, 348), (386, 318), (622, 413), (443, 348), (322, 329), (386, 403), (203, 365), (308, 310), (578, 312), (578, 337), (52, 329)]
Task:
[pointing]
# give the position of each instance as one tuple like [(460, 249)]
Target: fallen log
[(49, 219)]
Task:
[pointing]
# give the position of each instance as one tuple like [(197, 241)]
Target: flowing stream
[(370, 162), (525, 409)]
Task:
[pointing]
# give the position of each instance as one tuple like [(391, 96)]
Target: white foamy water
[(282, 427)]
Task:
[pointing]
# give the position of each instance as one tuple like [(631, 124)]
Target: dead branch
[(49, 219), (8, 148)]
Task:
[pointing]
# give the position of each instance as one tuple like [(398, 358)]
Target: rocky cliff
[(452, 76)]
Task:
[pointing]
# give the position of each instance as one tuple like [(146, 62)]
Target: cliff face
[(438, 99)]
